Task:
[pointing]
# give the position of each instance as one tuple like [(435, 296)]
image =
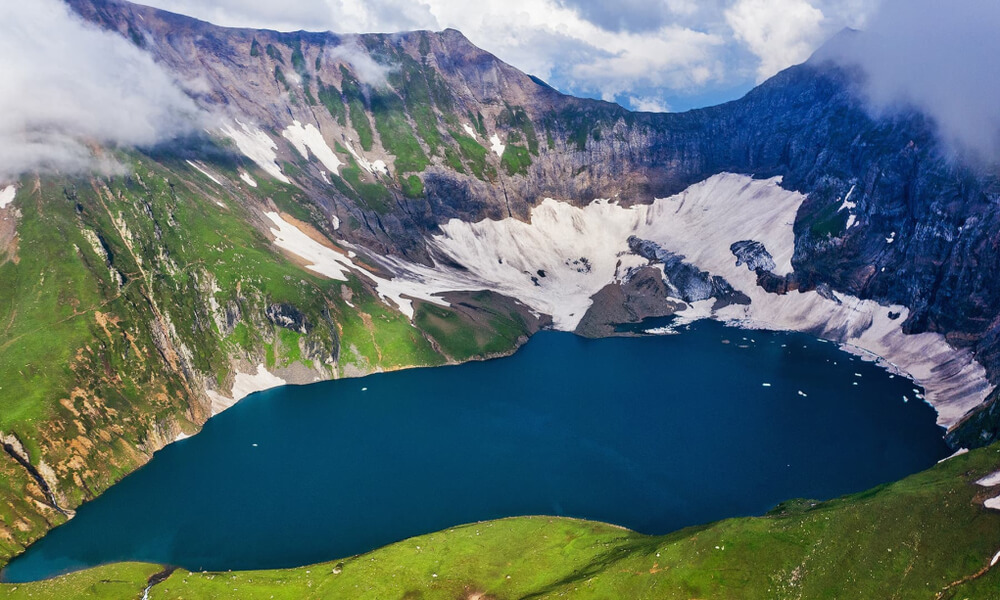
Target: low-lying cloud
[(68, 88), (365, 68), (941, 59)]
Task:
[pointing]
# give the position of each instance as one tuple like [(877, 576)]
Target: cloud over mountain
[(68, 87)]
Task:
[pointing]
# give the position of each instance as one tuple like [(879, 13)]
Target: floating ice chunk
[(803, 394), (765, 385)]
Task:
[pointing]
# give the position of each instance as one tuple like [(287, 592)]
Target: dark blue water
[(651, 433)]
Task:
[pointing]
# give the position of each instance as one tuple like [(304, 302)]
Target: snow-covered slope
[(565, 254)]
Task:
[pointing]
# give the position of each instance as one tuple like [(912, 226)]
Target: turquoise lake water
[(652, 433)]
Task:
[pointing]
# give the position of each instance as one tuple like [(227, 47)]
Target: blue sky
[(646, 55)]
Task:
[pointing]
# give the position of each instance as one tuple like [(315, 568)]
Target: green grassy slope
[(125, 297), (926, 536)]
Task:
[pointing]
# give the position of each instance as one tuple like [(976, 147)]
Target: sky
[(657, 55)]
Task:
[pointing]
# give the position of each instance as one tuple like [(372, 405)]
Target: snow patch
[(496, 146), (203, 171), (257, 146), (247, 178), (324, 260), (335, 221), (377, 166), (701, 223), (7, 195), (958, 452), (469, 130), (847, 204), (245, 384), (410, 280), (993, 503), (309, 138), (990, 480)]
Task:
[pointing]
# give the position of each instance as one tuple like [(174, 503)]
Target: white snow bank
[(247, 178), (201, 169), (990, 480), (701, 223), (257, 146), (469, 130), (993, 503), (325, 261), (958, 452), (7, 195), (245, 384), (555, 264), (410, 280), (309, 138), (377, 166), (496, 146)]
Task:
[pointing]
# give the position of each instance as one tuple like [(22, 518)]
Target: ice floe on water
[(257, 146), (309, 138)]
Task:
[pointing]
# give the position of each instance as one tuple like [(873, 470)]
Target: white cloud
[(940, 59), (364, 66), (779, 32), (648, 104), (67, 86)]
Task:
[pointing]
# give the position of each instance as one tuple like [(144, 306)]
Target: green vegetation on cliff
[(124, 298)]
